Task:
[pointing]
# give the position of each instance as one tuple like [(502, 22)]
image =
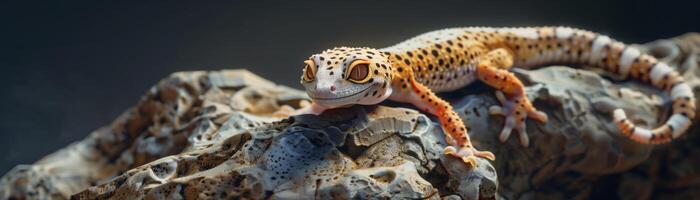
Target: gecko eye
[(309, 73), (358, 72)]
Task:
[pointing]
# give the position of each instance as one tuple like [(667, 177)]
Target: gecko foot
[(468, 154), (516, 111)]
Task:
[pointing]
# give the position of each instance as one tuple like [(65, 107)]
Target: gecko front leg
[(516, 108), (407, 89)]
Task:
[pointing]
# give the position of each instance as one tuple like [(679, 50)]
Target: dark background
[(69, 68)]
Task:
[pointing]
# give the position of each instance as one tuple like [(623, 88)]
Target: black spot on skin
[(374, 93), (331, 73), (409, 54), (376, 72), (398, 57), (407, 62), (434, 52), (321, 58), (438, 46), (400, 69), (430, 67)]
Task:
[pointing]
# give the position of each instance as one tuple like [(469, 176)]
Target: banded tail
[(546, 45)]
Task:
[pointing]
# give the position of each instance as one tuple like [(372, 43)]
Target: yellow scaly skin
[(448, 59)]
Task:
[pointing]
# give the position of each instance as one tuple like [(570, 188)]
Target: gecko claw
[(468, 155)]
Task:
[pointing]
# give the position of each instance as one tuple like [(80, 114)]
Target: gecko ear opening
[(358, 72), (309, 71)]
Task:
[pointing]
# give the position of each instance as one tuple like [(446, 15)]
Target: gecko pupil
[(359, 72)]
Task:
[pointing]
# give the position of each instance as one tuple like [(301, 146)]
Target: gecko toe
[(522, 133), (538, 116), (496, 110), (507, 128), (501, 97), (468, 155)]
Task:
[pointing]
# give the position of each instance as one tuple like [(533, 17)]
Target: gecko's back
[(444, 60)]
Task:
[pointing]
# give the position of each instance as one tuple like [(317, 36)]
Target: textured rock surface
[(223, 134)]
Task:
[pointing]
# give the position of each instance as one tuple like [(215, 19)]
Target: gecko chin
[(348, 97)]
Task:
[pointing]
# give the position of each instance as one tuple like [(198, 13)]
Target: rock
[(223, 134), (303, 157)]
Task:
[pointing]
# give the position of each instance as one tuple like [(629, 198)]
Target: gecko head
[(344, 76)]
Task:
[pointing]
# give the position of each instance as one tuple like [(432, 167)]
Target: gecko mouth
[(342, 97)]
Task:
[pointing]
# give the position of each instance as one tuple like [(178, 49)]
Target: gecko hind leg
[(515, 107)]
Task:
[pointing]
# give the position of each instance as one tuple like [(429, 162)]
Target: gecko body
[(445, 60)]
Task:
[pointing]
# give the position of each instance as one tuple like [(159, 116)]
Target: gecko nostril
[(332, 87)]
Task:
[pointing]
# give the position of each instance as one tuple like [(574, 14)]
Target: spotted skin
[(445, 60)]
